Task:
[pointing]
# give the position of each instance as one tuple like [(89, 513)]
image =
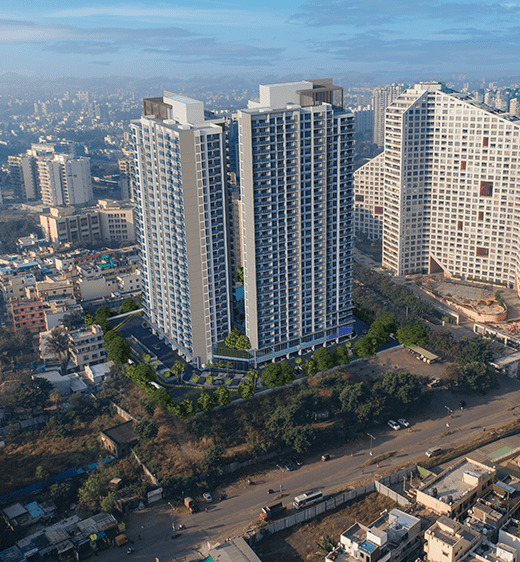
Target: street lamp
[(173, 521), (450, 414), (371, 439)]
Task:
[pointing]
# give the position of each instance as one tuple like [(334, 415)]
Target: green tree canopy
[(246, 389), (477, 376), (412, 335), (402, 386), (205, 402), (236, 340), (277, 374), (309, 368), (222, 396), (118, 349), (145, 429), (58, 345), (128, 306), (240, 274), (323, 359)]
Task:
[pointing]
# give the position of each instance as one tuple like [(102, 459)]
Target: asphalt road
[(233, 516)]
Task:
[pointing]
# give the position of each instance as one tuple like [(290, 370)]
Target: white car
[(403, 422), (207, 497), (394, 425)]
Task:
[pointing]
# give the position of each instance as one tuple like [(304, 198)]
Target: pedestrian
[(351, 454), (206, 510), (362, 471), (377, 465), (484, 428)]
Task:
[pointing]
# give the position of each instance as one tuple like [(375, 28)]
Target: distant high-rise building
[(23, 169), (448, 187), (125, 178), (180, 189), (364, 119), (514, 107), (64, 180), (296, 150), (382, 98)]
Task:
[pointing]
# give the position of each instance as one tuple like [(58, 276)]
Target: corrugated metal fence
[(306, 514)]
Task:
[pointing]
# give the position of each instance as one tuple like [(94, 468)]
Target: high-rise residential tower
[(449, 186), (296, 150), (381, 99), (180, 189)]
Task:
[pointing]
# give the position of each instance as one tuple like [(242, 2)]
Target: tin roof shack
[(448, 540), (119, 439), (455, 489), (393, 537), (126, 500)]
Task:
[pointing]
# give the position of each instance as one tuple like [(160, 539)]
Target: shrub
[(167, 375), (209, 379), (194, 378), (298, 360), (227, 381)]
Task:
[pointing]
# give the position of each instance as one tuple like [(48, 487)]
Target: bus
[(307, 498)]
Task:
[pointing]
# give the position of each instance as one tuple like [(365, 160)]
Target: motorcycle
[(130, 550)]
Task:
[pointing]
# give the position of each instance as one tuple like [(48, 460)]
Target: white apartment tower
[(382, 97), (369, 198), (296, 149), (450, 187), (64, 180), (180, 189)]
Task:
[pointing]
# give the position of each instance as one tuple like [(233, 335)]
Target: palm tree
[(58, 345), (73, 320)]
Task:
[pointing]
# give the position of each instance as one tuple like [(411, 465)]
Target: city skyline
[(386, 41)]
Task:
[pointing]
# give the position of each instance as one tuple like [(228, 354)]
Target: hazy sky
[(387, 39)]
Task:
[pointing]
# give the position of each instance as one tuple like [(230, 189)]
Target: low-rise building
[(117, 220), (87, 346), (14, 286), (129, 282), (67, 225), (119, 439), (455, 489), (448, 540), (28, 313), (509, 535), (98, 373), (392, 538), (65, 385), (489, 552)]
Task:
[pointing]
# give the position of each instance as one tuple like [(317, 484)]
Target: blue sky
[(387, 40)]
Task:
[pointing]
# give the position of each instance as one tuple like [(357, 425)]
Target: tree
[(213, 457), (412, 335), (118, 349), (240, 274), (58, 345), (477, 349), (41, 473), (301, 438), (309, 368), (56, 398), (185, 409), (88, 318), (222, 396), (73, 321), (145, 429), (33, 394), (477, 376), (340, 356), (236, 340), (128, 305), (365, 347), (402, 386), (205, 402), (246, 389), (323, 359), (277, 374)]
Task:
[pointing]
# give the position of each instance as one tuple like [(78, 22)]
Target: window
[(486, 188)]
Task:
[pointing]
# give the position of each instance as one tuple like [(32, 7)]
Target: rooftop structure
[(454, 490), (448, 540)]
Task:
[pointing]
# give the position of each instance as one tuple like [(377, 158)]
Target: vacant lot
[(300, 543)]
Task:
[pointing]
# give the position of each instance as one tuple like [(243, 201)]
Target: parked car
[(297, 461), (207, 497), (403, 422), (393, 424), (433, 451), (288, 466), (325, 457), (156, 346)]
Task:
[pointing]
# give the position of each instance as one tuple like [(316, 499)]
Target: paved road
[(232, 516)]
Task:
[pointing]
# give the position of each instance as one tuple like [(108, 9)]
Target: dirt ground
[(299, 543), (400, 360)]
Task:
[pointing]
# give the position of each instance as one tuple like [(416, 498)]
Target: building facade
[(296, 148), (449, 187), (117, 220), (369, 199), (381, 99), (28, 313), (180, 189), (87, 346), (64, 225)]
